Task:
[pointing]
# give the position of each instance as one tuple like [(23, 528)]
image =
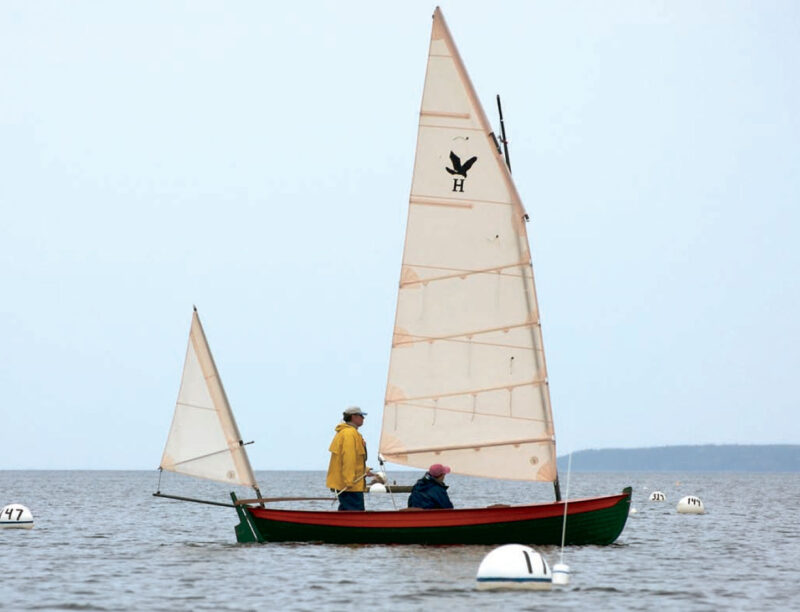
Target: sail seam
[(417, 339), (434, 449), (448, 268), (465, 273), (530, 383), (450, 127), (426, 202), (478, 343), (425, 199), (399, 403), (433, 113)]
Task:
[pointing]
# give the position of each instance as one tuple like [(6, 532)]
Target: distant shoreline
[(679, 458), (697, 458)]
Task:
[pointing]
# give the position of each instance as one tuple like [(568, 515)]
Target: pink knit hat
[(437, 470)]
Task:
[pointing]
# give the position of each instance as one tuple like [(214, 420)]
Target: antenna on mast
[(503, 134)]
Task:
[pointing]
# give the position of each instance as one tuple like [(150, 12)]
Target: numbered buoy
[(377, 488), (691, 505), (561, 574), (657, 496), (514, 566), (16, 516)]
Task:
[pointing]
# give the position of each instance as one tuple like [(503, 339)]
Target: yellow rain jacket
[(348, 460)]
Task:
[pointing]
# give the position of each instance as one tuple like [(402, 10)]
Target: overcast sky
[(255, 159)]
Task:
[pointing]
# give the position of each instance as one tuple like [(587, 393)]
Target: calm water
[(102, 542)]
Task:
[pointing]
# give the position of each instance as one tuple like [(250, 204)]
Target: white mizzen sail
[(467, 382), (204, 440)]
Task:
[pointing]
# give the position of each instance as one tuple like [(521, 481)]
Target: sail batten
[(204, 440), (467, 383)]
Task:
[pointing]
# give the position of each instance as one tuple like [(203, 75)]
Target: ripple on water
[(177, 556)]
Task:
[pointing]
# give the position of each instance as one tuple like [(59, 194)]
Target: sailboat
[(467, 383)]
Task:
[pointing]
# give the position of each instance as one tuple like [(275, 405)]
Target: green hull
[(591, 521)]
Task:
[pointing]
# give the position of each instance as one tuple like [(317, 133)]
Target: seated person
[(430, 491)]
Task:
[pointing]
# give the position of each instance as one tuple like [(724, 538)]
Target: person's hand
[(376, 477)]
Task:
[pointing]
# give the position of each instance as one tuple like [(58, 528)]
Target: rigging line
[(467, 334), (566, 502), (211, 408), (230, 449), (386, 483), (435, 449), (494, 344), (530, 383), (469, 412)]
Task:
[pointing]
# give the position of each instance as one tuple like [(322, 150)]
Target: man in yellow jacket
[(348, 469)]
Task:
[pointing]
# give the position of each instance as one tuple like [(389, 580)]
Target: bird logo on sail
[(459, 169)]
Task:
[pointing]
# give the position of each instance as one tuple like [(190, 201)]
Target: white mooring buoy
[(16, 516), (691, 505), (561, 574), (514, 566), (657, 496), (377, 487)]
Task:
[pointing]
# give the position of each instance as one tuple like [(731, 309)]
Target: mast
[(504, 140), (503, 134)]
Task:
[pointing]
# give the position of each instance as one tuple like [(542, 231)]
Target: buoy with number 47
[(16, 516)]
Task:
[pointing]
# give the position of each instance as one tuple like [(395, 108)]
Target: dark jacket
[(428, 493)]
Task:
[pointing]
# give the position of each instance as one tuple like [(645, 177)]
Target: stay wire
[(566, 503)]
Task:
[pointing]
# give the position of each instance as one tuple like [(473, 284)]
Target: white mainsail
[(467, 382), (204, 440)]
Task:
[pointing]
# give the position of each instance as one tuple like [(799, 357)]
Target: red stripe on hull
[(436, 518)]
